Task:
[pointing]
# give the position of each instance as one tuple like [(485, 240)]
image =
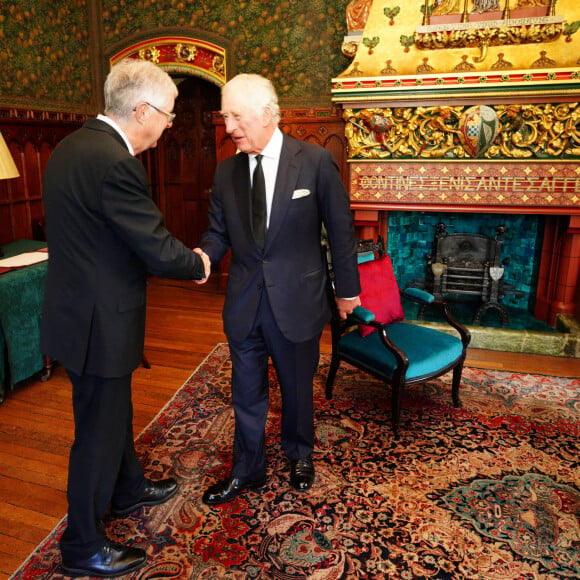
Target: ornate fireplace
[(439, 119)]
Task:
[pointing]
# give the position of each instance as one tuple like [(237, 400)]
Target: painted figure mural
[(485, 5), (357, 13), (532, 3), (445, 7), (442, 7)]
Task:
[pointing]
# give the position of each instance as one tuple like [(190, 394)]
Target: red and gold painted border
[(183, 55), (417, 86), (538, 187)]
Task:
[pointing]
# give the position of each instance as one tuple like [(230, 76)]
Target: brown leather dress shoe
[(302, 473), (229, 488), (110, 561), (155, 492)]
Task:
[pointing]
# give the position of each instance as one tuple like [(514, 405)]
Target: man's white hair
[(131, 82), (259, 94)]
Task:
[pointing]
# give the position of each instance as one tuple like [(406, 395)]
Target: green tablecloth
[(21, 296)]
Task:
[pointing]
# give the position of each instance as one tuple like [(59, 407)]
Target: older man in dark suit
[(268, 205), (104, 233)]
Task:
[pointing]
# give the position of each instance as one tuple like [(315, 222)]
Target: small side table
[(21, 298)]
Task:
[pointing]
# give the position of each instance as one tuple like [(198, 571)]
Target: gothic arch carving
[(181, 52)]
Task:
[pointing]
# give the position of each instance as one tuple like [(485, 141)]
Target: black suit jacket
[(104, 233), (308, 192)]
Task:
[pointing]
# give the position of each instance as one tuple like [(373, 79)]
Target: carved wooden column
[(569, 268), (559, 269), (369, 224)]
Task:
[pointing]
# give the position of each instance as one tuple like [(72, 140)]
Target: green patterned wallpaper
[(45, 57), (296, 43)]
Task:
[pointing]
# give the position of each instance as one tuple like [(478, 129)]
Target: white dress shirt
[(270, 162), (110, 121)]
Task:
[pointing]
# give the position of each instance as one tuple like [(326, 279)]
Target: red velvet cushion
[(380, 292)]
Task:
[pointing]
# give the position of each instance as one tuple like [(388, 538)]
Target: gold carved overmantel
[(476, 50), (465, 80), (534, 22), (526, 131), (469, 106)]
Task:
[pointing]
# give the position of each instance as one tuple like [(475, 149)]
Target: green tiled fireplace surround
[(410, 237)]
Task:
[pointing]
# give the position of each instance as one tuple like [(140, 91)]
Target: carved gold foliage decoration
[(538, 131), (217, 64), (149, 53), (402, 132), (185, 52), (487, 36), (527, 131)]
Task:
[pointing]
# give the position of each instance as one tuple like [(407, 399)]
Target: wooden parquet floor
[(36, 426)]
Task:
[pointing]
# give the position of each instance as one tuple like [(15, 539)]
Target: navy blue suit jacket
[(291, 265)]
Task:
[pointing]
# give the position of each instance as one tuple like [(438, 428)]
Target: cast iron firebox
[(468, 265)]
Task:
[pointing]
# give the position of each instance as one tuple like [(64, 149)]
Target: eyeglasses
[(170, 116)]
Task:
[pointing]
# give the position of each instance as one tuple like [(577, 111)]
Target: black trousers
[(103, 465), (295, 365)]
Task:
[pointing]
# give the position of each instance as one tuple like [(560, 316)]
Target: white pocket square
[(298, 193)]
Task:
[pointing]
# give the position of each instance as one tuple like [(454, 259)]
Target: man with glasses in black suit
[(104, 234)]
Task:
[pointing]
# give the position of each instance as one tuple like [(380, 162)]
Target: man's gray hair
[(131, 82), (258, 91)]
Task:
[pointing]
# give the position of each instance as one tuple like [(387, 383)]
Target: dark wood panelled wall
[(32, 136)]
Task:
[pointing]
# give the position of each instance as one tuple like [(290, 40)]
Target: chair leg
[(145, 361), (332, 369), (47, 370), (457, 372), (396, 408)]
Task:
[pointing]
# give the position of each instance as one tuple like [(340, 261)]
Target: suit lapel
[(286, 178)]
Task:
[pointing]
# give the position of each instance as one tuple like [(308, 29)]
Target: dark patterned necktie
[(259, 202)]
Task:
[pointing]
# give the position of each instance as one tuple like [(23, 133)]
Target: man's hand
[(346, 305), (206, 264)]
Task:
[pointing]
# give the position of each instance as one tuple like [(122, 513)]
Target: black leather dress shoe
[(229, 488), (155, 492), (110, 561), (302, 473)]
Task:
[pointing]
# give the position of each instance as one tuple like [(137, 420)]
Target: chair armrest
[(363, 315), (418, 295), (425, 298)]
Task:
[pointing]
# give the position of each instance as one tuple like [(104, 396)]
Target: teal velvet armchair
[(377, 340)]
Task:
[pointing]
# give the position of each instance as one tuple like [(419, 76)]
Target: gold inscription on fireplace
[(473, 184), (539, 184)]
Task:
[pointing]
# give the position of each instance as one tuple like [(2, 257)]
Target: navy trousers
[(295, 365)]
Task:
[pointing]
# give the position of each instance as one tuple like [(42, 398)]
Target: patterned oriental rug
[(489, 491)]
